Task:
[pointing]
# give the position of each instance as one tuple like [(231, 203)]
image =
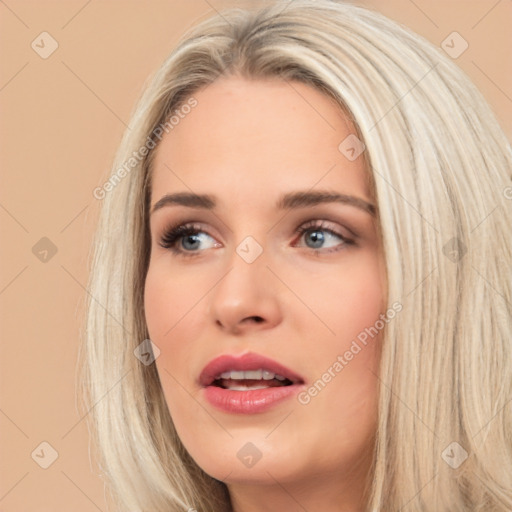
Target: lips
[(249, 362), (248, 384)]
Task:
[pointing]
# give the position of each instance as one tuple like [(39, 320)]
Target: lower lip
[(251, 401)]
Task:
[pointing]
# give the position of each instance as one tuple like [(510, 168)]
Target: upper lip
[(245, 362)]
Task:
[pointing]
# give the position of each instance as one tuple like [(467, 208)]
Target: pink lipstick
[(248, 384)]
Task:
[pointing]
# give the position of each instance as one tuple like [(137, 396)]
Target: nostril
[(256, 319)]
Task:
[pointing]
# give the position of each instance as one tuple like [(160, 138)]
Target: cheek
[(175, 317), (347, 299), (170, 303), (166, 306), (157, 298), (350, 302)]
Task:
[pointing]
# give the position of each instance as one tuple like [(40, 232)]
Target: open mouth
[(248, 383), (247, 380)]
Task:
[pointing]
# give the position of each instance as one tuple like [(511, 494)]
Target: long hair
[(440, 166)]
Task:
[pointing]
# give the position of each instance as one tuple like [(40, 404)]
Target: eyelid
[(327, 225)]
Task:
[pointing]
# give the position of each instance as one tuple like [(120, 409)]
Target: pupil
[(188, 238), (316, 237)]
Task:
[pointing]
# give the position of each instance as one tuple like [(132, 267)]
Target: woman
[(301, 284)]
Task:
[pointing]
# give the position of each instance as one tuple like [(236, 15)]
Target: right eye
[(178, 237)]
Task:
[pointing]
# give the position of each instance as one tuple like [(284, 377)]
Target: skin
[(247, 142)]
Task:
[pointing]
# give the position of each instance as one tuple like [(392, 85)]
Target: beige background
[(61, 120)]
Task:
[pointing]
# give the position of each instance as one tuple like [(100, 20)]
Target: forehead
[(260, 136)]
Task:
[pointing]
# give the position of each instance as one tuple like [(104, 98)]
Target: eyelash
[(174, 234)]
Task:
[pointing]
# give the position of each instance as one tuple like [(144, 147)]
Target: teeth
[(251, 375), (246, 388)]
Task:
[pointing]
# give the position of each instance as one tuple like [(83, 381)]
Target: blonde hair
[(441, 171)]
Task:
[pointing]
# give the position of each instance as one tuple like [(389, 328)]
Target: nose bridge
[(246, 274), (247, 289)]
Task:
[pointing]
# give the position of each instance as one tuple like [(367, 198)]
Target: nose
[(246, 298)]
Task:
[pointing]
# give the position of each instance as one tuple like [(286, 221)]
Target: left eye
[(191, 235), (318, 237), (319, 233)]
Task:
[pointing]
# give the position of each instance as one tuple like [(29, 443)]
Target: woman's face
[(273, 266)]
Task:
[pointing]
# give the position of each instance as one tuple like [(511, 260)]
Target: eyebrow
[(291, 200)]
